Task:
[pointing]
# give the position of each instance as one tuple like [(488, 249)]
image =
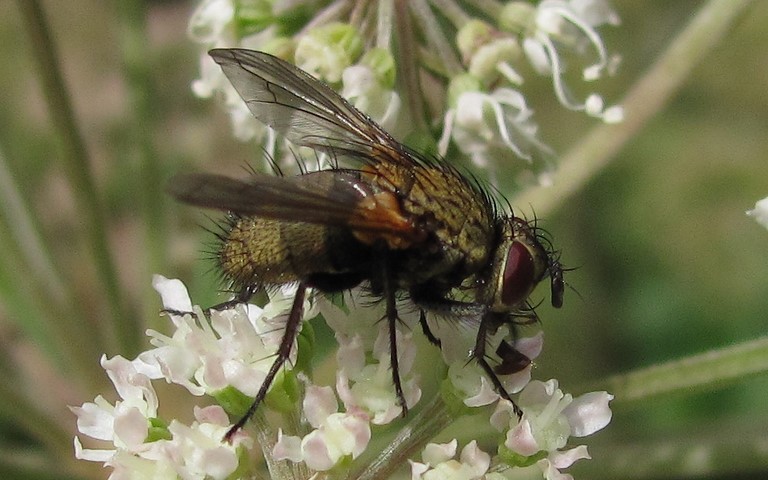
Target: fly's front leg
[(487, 322)]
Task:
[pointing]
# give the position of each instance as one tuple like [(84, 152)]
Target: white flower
[(366, 93), (235, 349), (472, 382), (482, 125), (211, 20), (199, 450), (550, 417), (335, 435), (559, 26), (760, 212), (324, 52), (126, 423), (439, 464)]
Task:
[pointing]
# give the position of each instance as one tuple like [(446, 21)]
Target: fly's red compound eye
[(519, 273)]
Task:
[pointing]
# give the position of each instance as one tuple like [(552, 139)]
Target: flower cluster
[(473, 65), (225, 357)]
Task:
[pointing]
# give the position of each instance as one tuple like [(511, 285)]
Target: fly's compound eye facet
[(519, 274)]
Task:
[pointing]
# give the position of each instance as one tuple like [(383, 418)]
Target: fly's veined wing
[(329, 197), (303, 109)]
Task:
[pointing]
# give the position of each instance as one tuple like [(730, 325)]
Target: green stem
[(723, 449), (647, 97), (41, 305), (138, 69), (13, 404), (706, 371), (413, 437), (120, 330), (408, 71)]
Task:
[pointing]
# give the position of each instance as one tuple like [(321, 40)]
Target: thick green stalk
[(120, 331), (707, 371)]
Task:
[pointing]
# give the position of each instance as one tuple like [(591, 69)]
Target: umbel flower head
[(322, 424), (456, 84)]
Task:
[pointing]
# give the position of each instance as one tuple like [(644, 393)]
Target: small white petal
[(589, 413), (614, 114), (131, 428), (173, 293), (476, 459), (520, 439), (594, 105), (568, 457), (287, 447), (90, 454), (315, 452), (435, 453), (319, 404), (760, 212)]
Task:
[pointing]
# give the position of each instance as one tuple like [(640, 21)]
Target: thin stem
[(706, 371), (413, 437), (120, 330), (27, 236), (50, 323), (331, 13), (646, 98), (408, 67), (431, 29), (452, 11), (385, 24), (491, 8)]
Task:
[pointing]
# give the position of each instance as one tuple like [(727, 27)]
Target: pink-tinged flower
[(335, 436), (473, 384), (550, 417), (139, 444), (438, 462), (125, 425), (364, 376), (198, 449)]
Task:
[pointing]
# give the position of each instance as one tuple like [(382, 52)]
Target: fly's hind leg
[(283, 352)]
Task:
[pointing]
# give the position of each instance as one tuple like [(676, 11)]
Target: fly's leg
[(242, 296), (392, 319), (481, 341), (512, 360), (283, 352), (427, 332)]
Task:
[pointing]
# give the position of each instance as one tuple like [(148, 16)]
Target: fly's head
[(523, 257)]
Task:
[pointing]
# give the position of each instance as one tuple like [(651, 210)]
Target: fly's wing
[(328, 197), (305, 110)]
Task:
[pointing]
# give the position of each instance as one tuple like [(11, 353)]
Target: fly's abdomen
[(260, 251)]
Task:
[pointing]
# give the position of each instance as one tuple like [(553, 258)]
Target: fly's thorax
[(445, 203), (258, 251), (519, 263)]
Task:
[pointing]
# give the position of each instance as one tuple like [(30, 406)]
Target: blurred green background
[(668, 264)]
